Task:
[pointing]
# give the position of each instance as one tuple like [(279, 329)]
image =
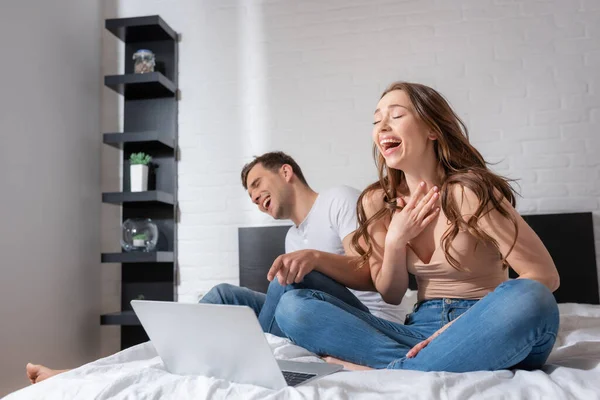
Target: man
[(315, 247)]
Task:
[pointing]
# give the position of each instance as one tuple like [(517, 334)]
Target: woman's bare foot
[(346, 364), (37, 373)]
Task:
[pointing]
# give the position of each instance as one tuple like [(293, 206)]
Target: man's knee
[(312, 280), (276, 289), (274, 285), (220, 294)]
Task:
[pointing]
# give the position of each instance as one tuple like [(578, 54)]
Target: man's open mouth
[(266, 202)]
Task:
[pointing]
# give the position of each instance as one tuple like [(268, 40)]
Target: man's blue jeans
[(265, 305), (514, 326)]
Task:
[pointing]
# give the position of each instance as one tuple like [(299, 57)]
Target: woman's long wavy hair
[(459, 164)]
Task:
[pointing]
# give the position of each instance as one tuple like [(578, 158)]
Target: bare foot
[(37, 373), (346, 364)]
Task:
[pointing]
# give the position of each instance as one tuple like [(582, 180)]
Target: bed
[(572, 371)]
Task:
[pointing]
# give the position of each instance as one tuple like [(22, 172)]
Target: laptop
[(220, 341)]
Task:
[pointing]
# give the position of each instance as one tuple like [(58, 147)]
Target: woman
[(439, 213)]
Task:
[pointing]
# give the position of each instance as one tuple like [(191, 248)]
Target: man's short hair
[(273, 162)]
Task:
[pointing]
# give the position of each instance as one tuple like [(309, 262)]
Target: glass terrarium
[(143, 61), (139, 234)]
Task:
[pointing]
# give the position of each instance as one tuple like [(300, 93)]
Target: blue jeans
[(514, 326), (264, 306)]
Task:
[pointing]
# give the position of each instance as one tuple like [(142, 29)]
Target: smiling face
[(398, 132), (271, 190)]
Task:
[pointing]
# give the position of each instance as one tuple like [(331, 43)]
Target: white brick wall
[(304, 77)]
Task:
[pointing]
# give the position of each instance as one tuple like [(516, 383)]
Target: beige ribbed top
[(481, 270)]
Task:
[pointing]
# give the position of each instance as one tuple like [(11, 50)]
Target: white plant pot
[(138, 177)]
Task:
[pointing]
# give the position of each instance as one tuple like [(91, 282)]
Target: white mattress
[(573, 372)]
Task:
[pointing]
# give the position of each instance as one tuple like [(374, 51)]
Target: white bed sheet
[(573, 372)]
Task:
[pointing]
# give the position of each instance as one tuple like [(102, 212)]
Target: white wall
[(50, 185), (304, 77), (113, 62)]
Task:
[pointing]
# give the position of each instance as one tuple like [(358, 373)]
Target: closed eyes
[(396, 117)]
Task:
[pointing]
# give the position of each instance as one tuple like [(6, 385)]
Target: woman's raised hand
[(408, 223)]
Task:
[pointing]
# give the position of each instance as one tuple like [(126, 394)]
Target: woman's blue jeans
[(514, 326), (264, 306)]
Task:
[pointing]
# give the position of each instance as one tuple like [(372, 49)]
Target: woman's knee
[(528, 289), (532, 298)]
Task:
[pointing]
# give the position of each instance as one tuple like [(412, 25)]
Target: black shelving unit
[(150, 126), (141, 86), (134, 198), (150, 28), (155, 256), (142, 141), (123, 318)]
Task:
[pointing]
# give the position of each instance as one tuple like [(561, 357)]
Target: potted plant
[(139, 240), (138, 171)]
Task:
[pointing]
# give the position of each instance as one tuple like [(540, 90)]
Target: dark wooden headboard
[(570, 240), (259, 247), (568, 237)]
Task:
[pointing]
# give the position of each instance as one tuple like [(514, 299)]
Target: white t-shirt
[(332, 218)]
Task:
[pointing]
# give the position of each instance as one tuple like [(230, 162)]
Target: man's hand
[(293, 267)]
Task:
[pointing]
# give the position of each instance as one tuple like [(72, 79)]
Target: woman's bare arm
[(529, 258)]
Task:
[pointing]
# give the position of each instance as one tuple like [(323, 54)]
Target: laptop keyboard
[(295, 378)]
